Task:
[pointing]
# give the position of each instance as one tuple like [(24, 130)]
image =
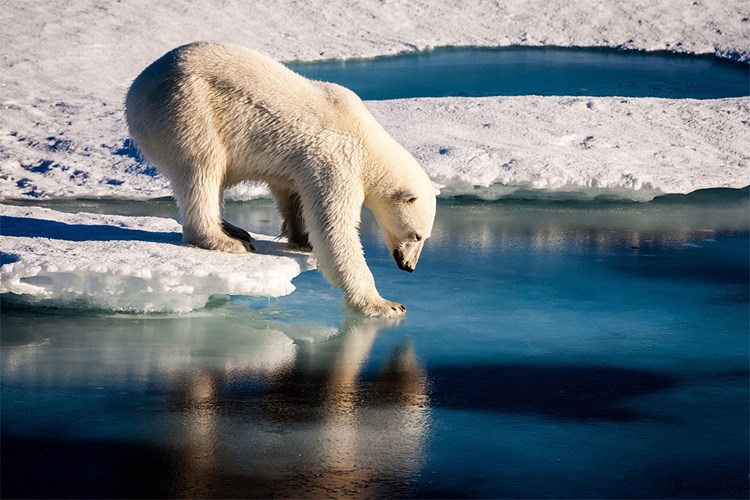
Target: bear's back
[(233, 68), (212, 96)]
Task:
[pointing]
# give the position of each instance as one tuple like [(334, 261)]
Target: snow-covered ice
[(63, 78), (622, 147), (489, 147), (129, 263)]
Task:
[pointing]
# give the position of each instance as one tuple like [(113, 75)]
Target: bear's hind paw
[(299, 247)]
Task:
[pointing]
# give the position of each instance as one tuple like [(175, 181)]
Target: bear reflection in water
[(318, 428), (212, 405)]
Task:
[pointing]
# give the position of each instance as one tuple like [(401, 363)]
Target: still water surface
[(477, 72), (550, 350)]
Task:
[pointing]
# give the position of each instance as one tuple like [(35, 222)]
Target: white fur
[(212, 115)]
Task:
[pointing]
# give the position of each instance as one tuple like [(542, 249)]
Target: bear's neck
[(388, 165)]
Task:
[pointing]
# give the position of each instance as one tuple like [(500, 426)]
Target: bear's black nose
[(398, 256), (405, 267)]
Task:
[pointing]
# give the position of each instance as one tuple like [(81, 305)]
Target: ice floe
[(124, 263)]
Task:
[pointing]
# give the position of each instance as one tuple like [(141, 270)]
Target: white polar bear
[(211, 115)]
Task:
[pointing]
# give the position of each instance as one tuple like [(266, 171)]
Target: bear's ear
[(405, 196)]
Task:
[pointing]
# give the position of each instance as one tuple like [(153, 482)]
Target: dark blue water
[(536, 70), (575, 350)]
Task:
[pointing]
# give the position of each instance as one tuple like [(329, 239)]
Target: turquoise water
[(536, 70), (550, 350)]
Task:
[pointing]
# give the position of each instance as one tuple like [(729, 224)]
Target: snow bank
[(63, 77), (128, 263), (487, 147), (623, 147)]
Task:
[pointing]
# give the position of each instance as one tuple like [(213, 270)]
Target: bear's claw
[(239, 234), (383, 308)]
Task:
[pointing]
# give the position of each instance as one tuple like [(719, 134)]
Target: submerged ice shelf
[(123, 263)]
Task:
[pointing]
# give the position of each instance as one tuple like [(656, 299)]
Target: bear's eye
[(418, 237), (405, 196)]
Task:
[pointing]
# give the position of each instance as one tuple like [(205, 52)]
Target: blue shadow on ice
[(41, 228), (8, 258)]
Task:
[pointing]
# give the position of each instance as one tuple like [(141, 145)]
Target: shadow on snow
[(42, 228)]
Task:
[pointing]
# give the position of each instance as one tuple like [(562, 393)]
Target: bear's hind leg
[(293, 227), (199, 199)]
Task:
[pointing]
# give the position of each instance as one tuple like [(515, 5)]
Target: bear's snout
[(398, 256)]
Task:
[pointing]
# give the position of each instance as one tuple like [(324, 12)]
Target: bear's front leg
[(333, 222), (361, 295), (199, 199)]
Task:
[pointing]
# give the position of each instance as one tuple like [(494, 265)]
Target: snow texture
[(63, 78), (123, 263), (623, 148)]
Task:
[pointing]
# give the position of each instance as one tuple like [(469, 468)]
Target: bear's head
[(400, 194), (406, 221)]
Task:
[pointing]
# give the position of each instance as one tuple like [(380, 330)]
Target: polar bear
[(211, 115)]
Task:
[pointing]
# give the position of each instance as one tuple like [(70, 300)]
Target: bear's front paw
[(223, 243), (238, 234), (383, 308)]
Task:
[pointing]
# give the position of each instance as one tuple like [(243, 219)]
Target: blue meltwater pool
[(551, 349), (475, 72)]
